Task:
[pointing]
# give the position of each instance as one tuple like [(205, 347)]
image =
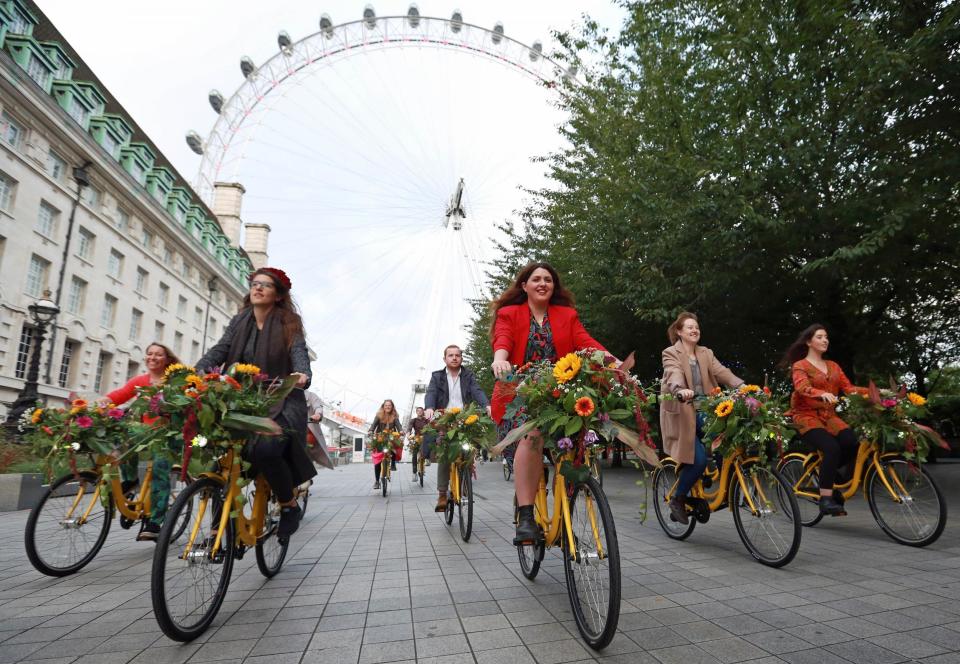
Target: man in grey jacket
[(450, 387)]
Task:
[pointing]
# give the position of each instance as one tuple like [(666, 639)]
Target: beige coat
[(678, 420)]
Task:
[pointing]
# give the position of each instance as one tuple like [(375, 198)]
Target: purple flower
[(84, 421), (565, 443), (261, 377), (155, 401), (752, 404), (115, 413), (888, 403), (590, 437), (604, 417)]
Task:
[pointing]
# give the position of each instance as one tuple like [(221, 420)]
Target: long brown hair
[(171, 357), (673, 332), (382, 416), (515, 294), (798, 349), (284, 305)]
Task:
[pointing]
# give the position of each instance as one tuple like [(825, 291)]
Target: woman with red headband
[(268, 332)]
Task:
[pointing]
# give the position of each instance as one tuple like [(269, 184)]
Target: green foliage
[(461, 432)]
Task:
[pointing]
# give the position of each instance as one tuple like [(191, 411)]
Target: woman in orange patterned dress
[(817, 385)]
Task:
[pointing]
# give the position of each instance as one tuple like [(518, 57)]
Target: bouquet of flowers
[(213, 412), (746, 418), (384, 441), (461, 431), (889, 418), (581, 401), (414, 442), (61, 434)]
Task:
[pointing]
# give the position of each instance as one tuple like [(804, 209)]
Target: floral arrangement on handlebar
[(748, 418), (384, 441), (460, 432)]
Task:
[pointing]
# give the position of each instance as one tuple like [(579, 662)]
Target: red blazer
[(512, 329)]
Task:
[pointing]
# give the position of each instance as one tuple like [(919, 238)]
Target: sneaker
[(376, 485), (149, 532), (289, 522), (678, 511)]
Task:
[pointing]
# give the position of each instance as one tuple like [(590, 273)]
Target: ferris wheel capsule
[(216, 100), (284, 42), (247, 67), (194, 142), (326, 25), (497, 35), (456, 20), (413, 15), (369, 17), (536, 51)]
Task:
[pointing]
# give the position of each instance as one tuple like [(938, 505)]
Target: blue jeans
[(690, 473)]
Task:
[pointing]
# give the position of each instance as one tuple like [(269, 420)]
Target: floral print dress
[(807, 409), (539, 348)]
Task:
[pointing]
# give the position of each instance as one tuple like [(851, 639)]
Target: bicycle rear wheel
[(465, 506), (771, 529), (920, 516), (792, 469), (270, 551), (58, 539), (664, 479), (530, 555), (188, 582), (593, 568)]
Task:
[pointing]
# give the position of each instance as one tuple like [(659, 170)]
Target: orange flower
[(191, 392), (555, 393), (584, 407), (767, 390), (916, 399), (79, 404), (229, 380), (715, 392)]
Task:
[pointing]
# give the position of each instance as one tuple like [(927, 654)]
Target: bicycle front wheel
[(507, 471), (792, 469), (465, 506), (530, 555), (918, 514), (766, 515), (271, 552), (664, 479), (176, 488), (384, 475), (593, 567), (189, 581), (65, 531), (303, 497)]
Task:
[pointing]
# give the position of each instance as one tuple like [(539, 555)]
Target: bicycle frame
[(131, 509), (557, 522), (732, 464), (868, 455)]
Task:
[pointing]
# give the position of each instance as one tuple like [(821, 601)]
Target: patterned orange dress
[(807, 409)]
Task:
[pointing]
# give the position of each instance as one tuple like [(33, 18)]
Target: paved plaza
[(372, 580)]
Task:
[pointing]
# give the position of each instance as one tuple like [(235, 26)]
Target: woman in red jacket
[(157, 359), (535, 320)]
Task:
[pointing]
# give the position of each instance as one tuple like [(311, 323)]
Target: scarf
[(272, 354)]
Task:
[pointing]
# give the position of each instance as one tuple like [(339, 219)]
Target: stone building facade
[(145, 260)]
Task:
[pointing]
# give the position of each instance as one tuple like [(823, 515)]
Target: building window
[(47, 220), (27, 337), (103, 364), (76, 295), (109, 311), (184, 269), (69, 350), (38, 72), (19, 25), (194, 351), (133, 368), (167, 255), (7, 186), (11, 130), (213, 327), (85, 244), (146, 238), (56, 166), (197, 317), (164, 295), (115, 264), (91, 196), (181, 307), (137, 172), (109, 144), (136, 320), (158, 332), (123, 219), (37, 273), (77, 111), (177, 342), (142, 278)]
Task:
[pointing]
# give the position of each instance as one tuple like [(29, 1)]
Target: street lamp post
[(43, 312), (211, 289)]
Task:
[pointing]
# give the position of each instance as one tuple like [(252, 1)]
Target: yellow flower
[(173, 368), (724, 408), (746, 389), (36, 415), (470, 420), (195, 380), (453, 410), (566, 367), (251, 369), (916, 399)]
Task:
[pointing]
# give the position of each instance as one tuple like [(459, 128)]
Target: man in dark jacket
[(450, 387)]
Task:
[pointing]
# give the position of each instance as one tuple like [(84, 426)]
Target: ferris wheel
[(383, 152)]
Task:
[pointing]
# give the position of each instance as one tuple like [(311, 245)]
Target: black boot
[(289, 522), (678, 511), (527, 529), (828, 505)]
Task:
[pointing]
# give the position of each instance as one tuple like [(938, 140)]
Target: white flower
[(199, 441), (75, 447), (466, 446)]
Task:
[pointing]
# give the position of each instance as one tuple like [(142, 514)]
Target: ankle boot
[(441, 502), (527, 529), (828, 505)]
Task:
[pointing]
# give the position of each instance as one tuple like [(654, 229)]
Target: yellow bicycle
[(421, 467), (581, 524), (460, 494), (189, 580), (70, 522), (765, 511), (904, 500), (385, 464)]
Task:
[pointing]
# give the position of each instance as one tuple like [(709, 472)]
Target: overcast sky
[(351, 163)]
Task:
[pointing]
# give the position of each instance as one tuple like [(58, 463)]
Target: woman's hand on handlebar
[(685, 394), (828, 397), (501, 368), (301, 379)]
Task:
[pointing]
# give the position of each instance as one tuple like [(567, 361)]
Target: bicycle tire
[(465, 506), (792, 469), (530, 555), (587, 582), (784, 542), (303, 499), (384, 476), (168, 564), (102, 517), (596, 472), (506, 471), (917, 481), (448, 511), (664, 478), (270, 550), (182, 522)]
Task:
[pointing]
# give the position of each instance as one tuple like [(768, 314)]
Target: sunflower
[(251, 369), (470, 420), (37, 414), (724, 408), (566, 367), (746, 389), (174, 368), (584, 407), (916, 399), (194, 380), (453, 410)]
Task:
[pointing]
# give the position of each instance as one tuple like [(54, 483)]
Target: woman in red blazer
[(535, 320)]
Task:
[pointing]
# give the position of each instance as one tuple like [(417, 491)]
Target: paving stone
[(689, 654), (864, 652), (442, 645), (732, 649), (777, 642), (514, 655), (494, 638)]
